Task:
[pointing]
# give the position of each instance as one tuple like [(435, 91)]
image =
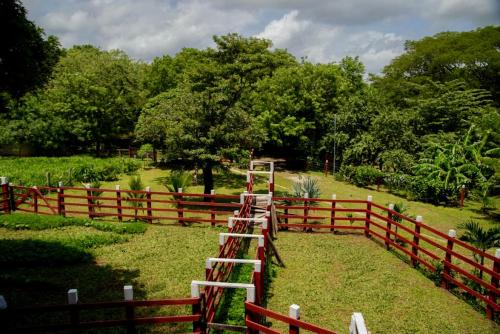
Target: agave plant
[(305, 185), (95, 193), (135, 199), (483, 239), (401, 209), (178, 179)]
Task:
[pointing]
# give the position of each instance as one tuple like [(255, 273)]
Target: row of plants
[(49, 171)]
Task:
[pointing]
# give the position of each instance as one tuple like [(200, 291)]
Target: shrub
[(396, 181), (426, 190), (366, 175), (21, 221)]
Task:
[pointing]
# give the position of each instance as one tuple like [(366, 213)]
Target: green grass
[(332, 276)]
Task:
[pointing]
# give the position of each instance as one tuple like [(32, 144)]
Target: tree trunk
[(208, 178)]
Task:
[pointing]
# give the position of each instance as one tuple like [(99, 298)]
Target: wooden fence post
[(128, 295), (119, 202), (212, 215), (196, 309), (490, 311), (12, 197), (416, 240), (90, 201), (389, 226), (35, 199), (447, 258), (74, 313), (149, 208), (332, 213), (180, 213), (259, 283), (369, 201), (5, 195), (294, 313), (60, 199), (306, 208)]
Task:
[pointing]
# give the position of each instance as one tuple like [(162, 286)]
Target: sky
[(318, 30)]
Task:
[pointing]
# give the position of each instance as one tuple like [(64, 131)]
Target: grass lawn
[(161, 263), (332, 276)]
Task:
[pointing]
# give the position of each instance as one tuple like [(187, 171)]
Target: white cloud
[(321, 30)]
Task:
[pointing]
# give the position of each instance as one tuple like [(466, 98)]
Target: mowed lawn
[(332, 276), (161, 263)]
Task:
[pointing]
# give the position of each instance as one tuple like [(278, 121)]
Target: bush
[(19, 221), (426, 190), (362, 176), (397, 181)]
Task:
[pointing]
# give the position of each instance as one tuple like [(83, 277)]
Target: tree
[(26, 57), (97, 94), (471, 56), (205, 117)]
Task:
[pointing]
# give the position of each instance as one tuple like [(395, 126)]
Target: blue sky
[(322, 31)]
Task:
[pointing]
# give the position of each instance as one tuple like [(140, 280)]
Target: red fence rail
[(254, 312), (73, 311), (454, 262)]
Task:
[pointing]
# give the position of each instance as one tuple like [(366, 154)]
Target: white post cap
[(251, 294), (306, 195), (230, 223), (334, 196), (261, 242), (148, 189), (117, 187), (369, 198), (242, 198), (221, 239), (248, 176), (195, 291), (391, 206), (60, 184), (419, 219), (72, 296), (452, 233), (87, 185), (257, 267), (128, 292), (3, 180), (497, 253), (294, 311), (208, 264), (179, 190), (236, 212), (212, 192)]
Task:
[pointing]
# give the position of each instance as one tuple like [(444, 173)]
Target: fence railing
[(13, 319), (454, 263)]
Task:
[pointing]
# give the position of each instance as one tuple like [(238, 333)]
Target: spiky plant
[(481, 238), (178, 179), (135, 183)]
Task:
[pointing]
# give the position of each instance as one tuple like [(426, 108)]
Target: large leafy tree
[(97, 93), (205, 118), (26, 55), (471, 56)]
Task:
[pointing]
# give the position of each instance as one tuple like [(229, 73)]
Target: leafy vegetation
[(16, 221), (68, 170)]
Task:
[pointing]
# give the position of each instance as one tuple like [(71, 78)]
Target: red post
[(5, 195), (212, 201), (180, 213), (490, 311), (89, 201), (119, 202), (271, 181), (258, 286), (35, 199), (149, 208), (462, 196), (208, 268), (389, 226), (306, 209), (368, 215), (196, 309), (332, 213), (446, 269), (60, 200), (294, 313), (416, 240)]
